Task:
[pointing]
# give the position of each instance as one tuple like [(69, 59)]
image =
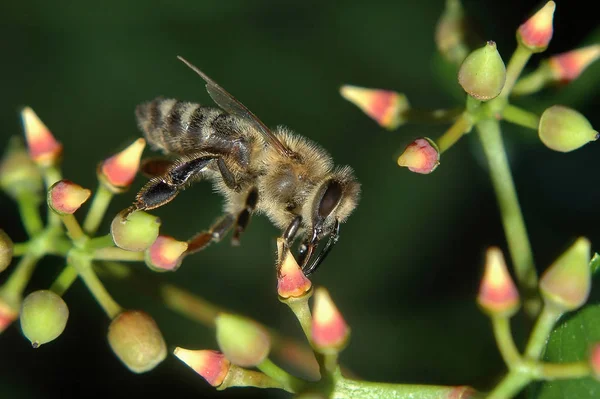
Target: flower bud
[(211, 365), (6, 250), (482, 74), (165, 254), (117, 172), (536, 32), (595, 361), (567, 282), (243, 341), (44, 150), (420, 156), (330, 333), (65, 197), (8, 313), (568, 66), (137, 341), (291, 281), (384, 106), (564, 129), (450, 33), (498, 294), (135, 233), (18, 173), (43, 317)]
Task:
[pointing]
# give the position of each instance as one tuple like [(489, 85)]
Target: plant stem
[(13, 288), (105, 241), (554, 371), (64, 280), (533, 82), (302, 312), (431, 116), (510, 211), (454, 133), (239, 377), (97, 209), (291, 383), (30, 213), (541, 331), (510, 385), (504, 340), (20, 248), (115, 253), (72, 225), (513, 70), (521, 117)]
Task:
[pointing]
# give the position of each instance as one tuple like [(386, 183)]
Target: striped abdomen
[(180, 127)]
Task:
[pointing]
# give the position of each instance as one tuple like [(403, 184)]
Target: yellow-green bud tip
[(211, 365), (536, 32), (243, 341), (498, 294), (135, 233), (43, 147), (384, 106), (43, 317), (563, 129), (165, 254), (482, 74), (330, 333), (421, 156), (65, 197), (18, 173)]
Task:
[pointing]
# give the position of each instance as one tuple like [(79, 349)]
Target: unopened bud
[(384, 106), (421, 156), (567, 282), (117, 172), (44, 150), (135, 233), (165, 254), (498, 294), (291, 281), (211, 365), (330, 333), (243, 341), (65, 197), (137, 341), (8, 313), (595, 361), (564, 129), (482, 74), (43, 317), (18, 173), (568, 66), (6, 250), (536, 32), (450, 33)]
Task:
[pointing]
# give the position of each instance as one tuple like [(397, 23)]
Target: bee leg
[(156, 166), (228, 177), (333, 239), (243, 217), (214, 234)]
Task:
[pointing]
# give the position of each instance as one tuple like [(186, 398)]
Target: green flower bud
[(564, 129), (137, 341), (567, 282), (243, 341), (482, 74), (136, 232), (43, 317), (6, 250), (18, 173)]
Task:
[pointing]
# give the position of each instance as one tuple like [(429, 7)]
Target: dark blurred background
[(406, 269)]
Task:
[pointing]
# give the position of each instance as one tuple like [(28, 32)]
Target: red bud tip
[(568, 66), (291, 281), (120, 169), (384, 106), (462, 392), (330, 332), (497, 292), (7, 315), (43, 147), (211, 365), (536, 32), (595, 361), (165, 254), (65, 197), (420, 156)]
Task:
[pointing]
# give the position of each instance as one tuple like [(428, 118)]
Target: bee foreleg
[(228, 177), (214, 234), (333, 239), (243, 217)]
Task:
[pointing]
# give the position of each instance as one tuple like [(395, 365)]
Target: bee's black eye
[(330, 199)]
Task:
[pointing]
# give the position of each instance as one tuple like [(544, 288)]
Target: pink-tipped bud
[(330, 333), (43, 147), (384, 106), (118, 171), (243, 341), (567, 282), (483, 74), (136, 233), (291, 281), (536, 32), (18, 173), (564, 129), (595, 361), (498, 294), (66, 197), (211, 365), (137, 341), (450, 33), (420, 156), (8, 313), (568, 66), (6, 250), (165, 254)]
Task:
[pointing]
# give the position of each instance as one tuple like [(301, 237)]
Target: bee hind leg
[(214, 234), (243, 218)]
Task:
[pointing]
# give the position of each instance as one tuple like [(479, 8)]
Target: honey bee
[(290, 179)]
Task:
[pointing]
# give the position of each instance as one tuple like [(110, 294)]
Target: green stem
[(73, 228), (513, 70), (291, 383), (239, 377), (97, 209), (302, 312), (533, 82), (541, 331), (20, 248), (504, 340), (105, 241), (431, 116), (59, 246), (115, 253), (521, 117), (13, 288), (554, 371), (30, 213), (454, 133), (510, 385), (64, 280), (512, 218)]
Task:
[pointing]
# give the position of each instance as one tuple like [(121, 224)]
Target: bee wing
[(228, 103)]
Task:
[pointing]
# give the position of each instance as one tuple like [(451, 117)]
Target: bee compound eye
[(330, 199)]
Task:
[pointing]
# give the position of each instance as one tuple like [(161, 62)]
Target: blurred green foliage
[(406, 269)]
